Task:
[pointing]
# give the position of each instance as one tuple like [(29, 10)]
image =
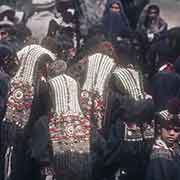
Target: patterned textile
[(19, 106), (21, 92), (69, 130), (135, 133), (129, 82), (160, 150), (93, 91), (164, 162), (164, 114)]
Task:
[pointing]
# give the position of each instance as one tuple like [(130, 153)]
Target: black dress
[(164, 164)]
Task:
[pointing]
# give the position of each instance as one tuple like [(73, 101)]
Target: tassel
[(8, 160)]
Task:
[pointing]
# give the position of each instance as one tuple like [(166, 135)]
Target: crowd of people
[(89, 90)]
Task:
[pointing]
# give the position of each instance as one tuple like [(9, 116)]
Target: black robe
[(4, 84), (129, 154), (165, 85), (164, 165), (24, 164)]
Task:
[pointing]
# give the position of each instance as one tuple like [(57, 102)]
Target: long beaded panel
[(67, 125), (19, 103)]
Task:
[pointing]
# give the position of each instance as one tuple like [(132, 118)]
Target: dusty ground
[(170, 11)]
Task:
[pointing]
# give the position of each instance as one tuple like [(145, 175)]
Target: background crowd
[(89, 89)]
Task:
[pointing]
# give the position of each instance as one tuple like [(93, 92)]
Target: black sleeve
[(39, 106), (160, 169), (4, 84)]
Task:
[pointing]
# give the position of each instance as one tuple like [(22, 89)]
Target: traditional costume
[(93, 94), (70, 131), (165, 158), (130, 126), (26, 104)]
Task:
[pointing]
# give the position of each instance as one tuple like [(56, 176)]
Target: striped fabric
[(99, 69), (69, 130), (64, 91), (164, 114), (129, 81), (93, 94), (29, 58)]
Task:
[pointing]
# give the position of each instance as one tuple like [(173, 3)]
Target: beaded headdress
[(22, 85), (99, 68), (130, 81), (69, 129), (64, 90)]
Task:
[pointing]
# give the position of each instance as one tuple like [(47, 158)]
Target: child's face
[(170, 135), (115, 8)]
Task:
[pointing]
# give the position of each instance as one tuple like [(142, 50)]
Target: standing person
[(165, 156), (68, 34), (12, 27), (8, 66), (90, 14), (166, 85), (129, 123), (133, 10), (151, 24), (69, 128), (26, 104), (115, 22), (129, 140), (42, 13)]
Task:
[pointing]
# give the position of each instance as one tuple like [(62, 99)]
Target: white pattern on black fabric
[(29, 57), (68, 128), (164, 114), (131, 82), (65, 92), (21, 91), (99, 68), (8, 160)]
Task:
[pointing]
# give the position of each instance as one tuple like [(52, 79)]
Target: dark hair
[(56, 68), (8, 57), (139, 111), (153, 7)]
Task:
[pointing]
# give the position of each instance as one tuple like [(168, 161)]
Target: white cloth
[(39, 24), (34, 2)]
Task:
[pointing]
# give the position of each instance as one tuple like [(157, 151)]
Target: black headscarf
[(115, 23)]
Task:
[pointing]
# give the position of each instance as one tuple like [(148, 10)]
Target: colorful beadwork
[(69, 128), (19, 103), (93, 107)]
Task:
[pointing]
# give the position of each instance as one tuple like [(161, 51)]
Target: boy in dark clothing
[(165, 157)]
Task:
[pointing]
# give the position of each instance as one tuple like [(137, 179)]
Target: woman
[(115, 22), (25, 105)]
